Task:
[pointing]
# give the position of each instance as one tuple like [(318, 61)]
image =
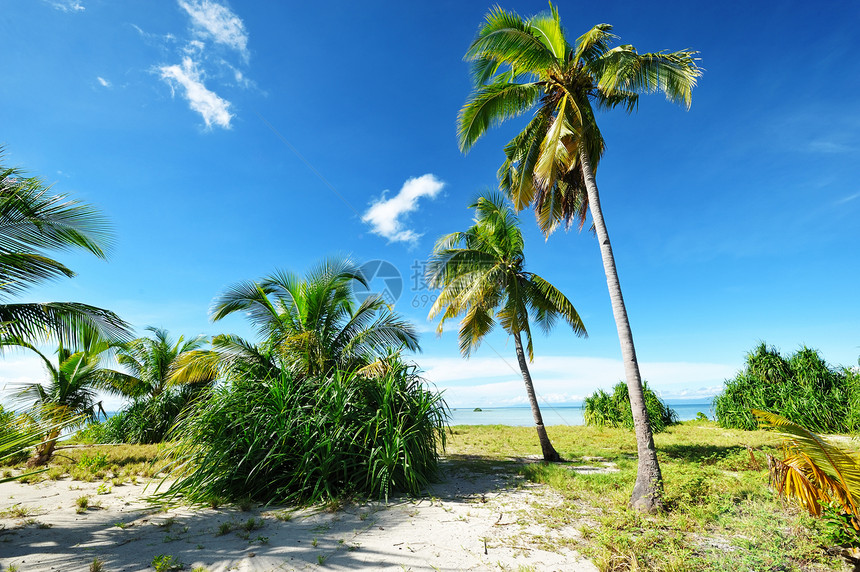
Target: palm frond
[(508, 39), (814, 469), (491, 105), (673, 73)]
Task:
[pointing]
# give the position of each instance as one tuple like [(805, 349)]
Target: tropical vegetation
[(523, 63), (33, 223), (481, 274), (69, 396), (159, 389), (801, 387), (823, 475), (314, 325), (602, 409), (322, 407)]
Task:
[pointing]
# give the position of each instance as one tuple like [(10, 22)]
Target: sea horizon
[(557, 414)]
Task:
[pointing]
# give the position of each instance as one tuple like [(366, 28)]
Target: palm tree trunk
[(648, 491), (45, 451), (549, 452)]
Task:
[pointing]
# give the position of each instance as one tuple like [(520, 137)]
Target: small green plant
[(253, 524), (321, 558), (104, 489), (225, 528), (17, 511), (314, 543), (166, 563), (82, 503), (97, 565), (93, 463)]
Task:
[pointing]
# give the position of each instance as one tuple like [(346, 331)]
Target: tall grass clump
[(298, 439), (601, 409), (803, 388)]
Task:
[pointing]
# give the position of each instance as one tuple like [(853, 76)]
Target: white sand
[(468, 522)]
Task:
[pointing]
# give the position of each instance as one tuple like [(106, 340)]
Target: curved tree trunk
[(549, 452), (648, 490), (45, 451)]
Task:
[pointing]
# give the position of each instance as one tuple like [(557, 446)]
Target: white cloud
[(496, 382), (103, 82), (214, 109), (67, 5), (384, 215), (211, 19)]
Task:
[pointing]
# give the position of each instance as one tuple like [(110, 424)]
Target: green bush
[(298, 439), (802, 388), (144, 421), (604, 410)]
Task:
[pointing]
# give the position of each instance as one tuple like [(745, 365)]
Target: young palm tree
[(520, 64), (152, 363), (31, 223), (482, 276), (314, 324), (71, 392)]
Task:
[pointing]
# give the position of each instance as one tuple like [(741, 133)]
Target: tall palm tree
[(314, 324), (519, 64), (482, 276), (71, 391), (31, 223)]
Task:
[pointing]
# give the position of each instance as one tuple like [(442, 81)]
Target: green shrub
[(604, 410), (298, 439), (802, 388), (144, 421)]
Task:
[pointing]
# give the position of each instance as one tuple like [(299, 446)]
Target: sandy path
[(471, 521)]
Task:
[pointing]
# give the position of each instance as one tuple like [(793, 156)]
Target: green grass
[(721, 513), (119, 463)]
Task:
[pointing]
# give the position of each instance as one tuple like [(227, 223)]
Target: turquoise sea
[(552, 415)]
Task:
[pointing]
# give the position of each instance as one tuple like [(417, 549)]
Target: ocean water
[(552, 415)]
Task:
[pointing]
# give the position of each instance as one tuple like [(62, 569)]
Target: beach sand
[(470, 521)]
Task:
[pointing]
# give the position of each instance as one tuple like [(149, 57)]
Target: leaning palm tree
[(314, 324), (519, 64), (33, 222), (482, 277), (72, 389)]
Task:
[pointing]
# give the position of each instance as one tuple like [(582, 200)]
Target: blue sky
[(225, 140)]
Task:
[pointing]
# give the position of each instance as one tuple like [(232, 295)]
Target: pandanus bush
[(298, 439), (802, 387), (601, 409)]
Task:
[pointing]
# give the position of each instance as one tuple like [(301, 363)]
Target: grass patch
[(721, 514)]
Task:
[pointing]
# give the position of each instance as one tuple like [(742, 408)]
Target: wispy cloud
[(103, 82), (386, 216), (216, 21), (847, 199), (828, 146), (67, 5), (214, 109)]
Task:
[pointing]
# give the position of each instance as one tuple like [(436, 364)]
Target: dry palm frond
[(815, 471)]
